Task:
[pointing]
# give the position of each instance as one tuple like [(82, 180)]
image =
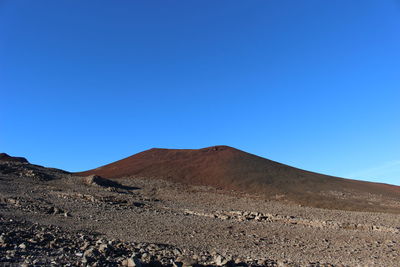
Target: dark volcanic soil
[(231, 169), (50, 217)]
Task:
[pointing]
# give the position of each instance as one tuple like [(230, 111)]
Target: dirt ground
[(51, 217)]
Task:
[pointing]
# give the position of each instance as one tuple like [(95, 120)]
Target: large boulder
[(95, 180)]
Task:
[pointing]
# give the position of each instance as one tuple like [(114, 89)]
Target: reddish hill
[(229, 168)]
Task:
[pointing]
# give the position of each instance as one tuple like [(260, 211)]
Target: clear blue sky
[(313, 84)]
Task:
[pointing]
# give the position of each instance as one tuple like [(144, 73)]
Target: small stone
[(53, 244), (132, 262), (176, 252), (88, 253), (85, 245), (22, 246), (3, 239), (103, 248), (219, 260), (33, 241), (281, 263), (186, 261)]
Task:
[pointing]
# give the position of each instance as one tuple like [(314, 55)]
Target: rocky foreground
[(32, 244), (50, 217)]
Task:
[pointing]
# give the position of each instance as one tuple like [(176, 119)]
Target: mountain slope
[(231, 169)]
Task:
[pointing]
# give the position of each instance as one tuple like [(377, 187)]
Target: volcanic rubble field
[(51, 217)]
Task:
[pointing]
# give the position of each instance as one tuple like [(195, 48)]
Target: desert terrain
[(216, 206)]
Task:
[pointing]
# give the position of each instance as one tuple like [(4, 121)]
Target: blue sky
[(313, 84)]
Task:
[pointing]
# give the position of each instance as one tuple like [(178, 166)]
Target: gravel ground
[(50, 217)]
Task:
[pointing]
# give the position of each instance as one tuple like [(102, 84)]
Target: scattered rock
[(219, 260), (103, 248), (95, 180), (132, 262)]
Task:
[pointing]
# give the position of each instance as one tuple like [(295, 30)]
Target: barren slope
[(231, 169)]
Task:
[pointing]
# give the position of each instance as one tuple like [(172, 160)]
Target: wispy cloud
[(386, 170)]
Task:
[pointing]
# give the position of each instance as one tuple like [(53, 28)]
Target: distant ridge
[(232, 169), (6, 157)]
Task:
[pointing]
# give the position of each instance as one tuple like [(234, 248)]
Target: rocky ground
[(50, 217)]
